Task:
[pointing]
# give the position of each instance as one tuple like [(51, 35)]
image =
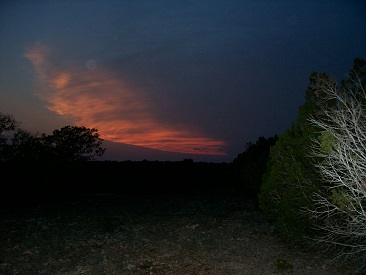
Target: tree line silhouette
[(67, 162), (70, 143)]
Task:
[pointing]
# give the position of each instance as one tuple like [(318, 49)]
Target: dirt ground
[(180, 234)]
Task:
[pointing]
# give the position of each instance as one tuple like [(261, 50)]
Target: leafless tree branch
[(339, 210)]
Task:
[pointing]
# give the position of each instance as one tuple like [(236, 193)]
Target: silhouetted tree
[(25, 146), (73, 143), (7, 127), (70, 143), (250, 165), (7, 123)]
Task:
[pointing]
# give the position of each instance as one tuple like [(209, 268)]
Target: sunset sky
[(171, 80)]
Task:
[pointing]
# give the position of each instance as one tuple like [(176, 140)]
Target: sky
[(171, 80)]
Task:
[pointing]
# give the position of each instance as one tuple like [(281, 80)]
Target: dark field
[(39, 181), (109, 218), (142, 234)]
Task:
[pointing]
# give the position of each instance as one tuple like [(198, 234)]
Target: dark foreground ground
[(222, 233)]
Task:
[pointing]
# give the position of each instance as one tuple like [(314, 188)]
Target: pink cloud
[(98, 99)]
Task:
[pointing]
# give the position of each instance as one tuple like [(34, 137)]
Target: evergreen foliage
[(291, 177), (314, 188)]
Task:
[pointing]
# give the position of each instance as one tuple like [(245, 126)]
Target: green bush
[(314, 189), (291, 177)]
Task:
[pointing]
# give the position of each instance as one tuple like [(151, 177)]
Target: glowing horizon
[(95, 98)]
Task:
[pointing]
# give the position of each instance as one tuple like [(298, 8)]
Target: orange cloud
[(97, 99)]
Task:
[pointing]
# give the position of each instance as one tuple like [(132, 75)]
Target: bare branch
[(339, 210)]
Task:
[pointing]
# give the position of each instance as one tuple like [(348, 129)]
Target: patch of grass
[(282, 265)]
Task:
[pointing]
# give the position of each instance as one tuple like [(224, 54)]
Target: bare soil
[(141, 234)]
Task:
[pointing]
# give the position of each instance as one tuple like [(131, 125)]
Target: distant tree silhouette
[(8, 125), (252, 163), (70, 143), (73, 143), (25, 146)]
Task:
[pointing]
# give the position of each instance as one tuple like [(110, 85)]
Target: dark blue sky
[(169, 80)]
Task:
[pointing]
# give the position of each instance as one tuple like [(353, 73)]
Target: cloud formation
[(95, 98)]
